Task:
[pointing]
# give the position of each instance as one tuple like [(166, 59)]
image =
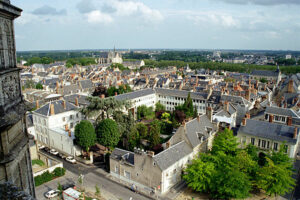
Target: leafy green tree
[(275, 179), (85, 135), (39, 86), (133, 139), (59, 188), (159, 107), (187, 107), (142, 129), (108, 133), (144, 112), (154, 133), (225, 142), (198, 175)]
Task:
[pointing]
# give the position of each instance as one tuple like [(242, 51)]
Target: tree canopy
[(229, 172), (85, 135), (108, 133)]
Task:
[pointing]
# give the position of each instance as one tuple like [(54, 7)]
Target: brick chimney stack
[(247, 115), (116, 93), (37, 105), (295, 133), (102, 96), (52, 109), (226, 106), (209, 113), (69, 133), (248, 95), (64, 104), (290, 86), (66, 127), (289, 121), (76, 102), (198, 118), (244, 122), (271, 118)]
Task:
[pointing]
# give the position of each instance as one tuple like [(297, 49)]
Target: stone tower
[(15, 162)]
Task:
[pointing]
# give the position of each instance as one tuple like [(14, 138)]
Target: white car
[(53, 151), (51, 194), (71, 159), (41, 146)]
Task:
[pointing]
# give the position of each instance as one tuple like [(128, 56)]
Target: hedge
[(47, 176)]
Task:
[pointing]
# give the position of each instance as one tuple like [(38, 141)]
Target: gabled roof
[(181, 93), (273, 131), (264, 73), (120, 154), (58, 108), (281, 111), (194, 127), (171, 155), (135, 94)]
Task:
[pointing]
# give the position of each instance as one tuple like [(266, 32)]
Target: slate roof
[(281, 111), (82, 99), (194, 127), (268, 130), (58, 108), (181, 93), (86, 84), (135, 94), (119, 154), (264, 73), (171, 155)]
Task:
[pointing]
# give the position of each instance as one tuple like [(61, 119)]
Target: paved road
[(93, 175)]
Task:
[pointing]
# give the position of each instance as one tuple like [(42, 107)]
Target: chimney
[(76, 102), (295, 133), (226, 106), (167, 144), (285, 104), (116, 93), (64, 104), (244, 122), (69, 133), (198, 118), (289, 121), (248, 95), (52, 109), (66, 127), (247, 115), (290, 86), (271, 118), (209, 113), (37, 105), (102, 96), (150, 153)]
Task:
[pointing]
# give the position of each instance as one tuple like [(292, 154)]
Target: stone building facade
[(15, 162)]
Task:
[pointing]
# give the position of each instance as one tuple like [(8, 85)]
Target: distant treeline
[(247, 68)]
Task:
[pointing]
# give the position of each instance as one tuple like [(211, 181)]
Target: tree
[(99, 91), (144, 112), (275, 179), (154, 133), (98, 192), (198, 175), (179, 116), (85, 135), (187, 107), (159, 107), (108, 133), (142, 129), (225, 142), (39, 86), (59, 188), (104, 108)]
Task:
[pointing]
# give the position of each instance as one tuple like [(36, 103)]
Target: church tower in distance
[(15, 162)]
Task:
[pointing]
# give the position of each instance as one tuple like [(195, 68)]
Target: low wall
[(50, 169)]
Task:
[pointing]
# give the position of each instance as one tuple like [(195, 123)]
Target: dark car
[(47, 149), (68, 185)]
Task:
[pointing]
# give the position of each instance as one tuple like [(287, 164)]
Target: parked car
[(61, 155), (51, 194), (54, 152), (41, 146), (46, 149), (68, 185), (71, 159)]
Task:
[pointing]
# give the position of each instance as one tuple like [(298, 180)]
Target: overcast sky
[(197, 24)]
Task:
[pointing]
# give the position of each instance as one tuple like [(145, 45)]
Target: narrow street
[(93, 176)]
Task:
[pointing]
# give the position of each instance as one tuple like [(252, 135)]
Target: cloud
[(113, 9), (47, 10), (97, 16), (262, 2), (85, 6)]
